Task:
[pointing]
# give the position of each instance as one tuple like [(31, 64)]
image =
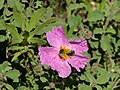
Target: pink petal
[(79, 45), (78, 62), (47, 56), (56, 37), (63, 69)]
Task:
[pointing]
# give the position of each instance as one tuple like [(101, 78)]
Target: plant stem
[(63, 84), (115, 84)]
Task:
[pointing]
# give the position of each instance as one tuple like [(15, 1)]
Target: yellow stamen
[(63, 53)]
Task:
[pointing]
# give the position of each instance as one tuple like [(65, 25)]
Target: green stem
[(116, 83), (63, 84)]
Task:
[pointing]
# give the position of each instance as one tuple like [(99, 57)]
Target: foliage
[(23, 24)]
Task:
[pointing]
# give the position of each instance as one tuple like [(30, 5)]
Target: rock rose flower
[(63, 53)]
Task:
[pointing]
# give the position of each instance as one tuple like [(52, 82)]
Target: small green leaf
[(95, 15), (35, 18), (103, 78), (98, 31), (5, 66), (101, 70), (16, 48), (1, 4), (94, 44), (45, 29), (48, 14), (17, 38), (43, 79), (112, 62), (9, 87), (20, 19), (22, 88), (105, 43), (67, 88), (10, 3), (111, 30), (2, 38), (84, 87), (117, 17), (90, 77), (19, 6), (74, 21), (76, 6), (117, 69), (13, 74), (16, 56), (39, 41), (82, 77), (2, 27)]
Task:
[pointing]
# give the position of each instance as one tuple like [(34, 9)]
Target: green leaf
[(39, 41), (94, 44), (17, 38), (43, 79), (104, 78), (95, 15), (48, 14), (5, 66), (20, 19), (45, 29), (117, 69), (1, 4), (16, 48), (82, 77), (22, 88), (74, 21), (98, 31), (101, 70), (41, 26), (98, 87), (9, 87), (67, 88), (10, 3), (117, 17), (38, 4), (74, 37), (84, 87), (7, 13), (2, 38), (16, 56), (2, 27), (76, 6), (105, 43), (111, 30), (112, 62), (13, 74), (35, 18), (19, 6), (90, 77)]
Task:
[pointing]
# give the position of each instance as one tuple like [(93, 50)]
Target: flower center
[(65, 53)]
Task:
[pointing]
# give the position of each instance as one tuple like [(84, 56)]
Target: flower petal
[(78, 61), (63, 69), (56, 37), (47, 56), (79, 45)]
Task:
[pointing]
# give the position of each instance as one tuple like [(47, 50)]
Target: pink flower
[(63, 53)]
